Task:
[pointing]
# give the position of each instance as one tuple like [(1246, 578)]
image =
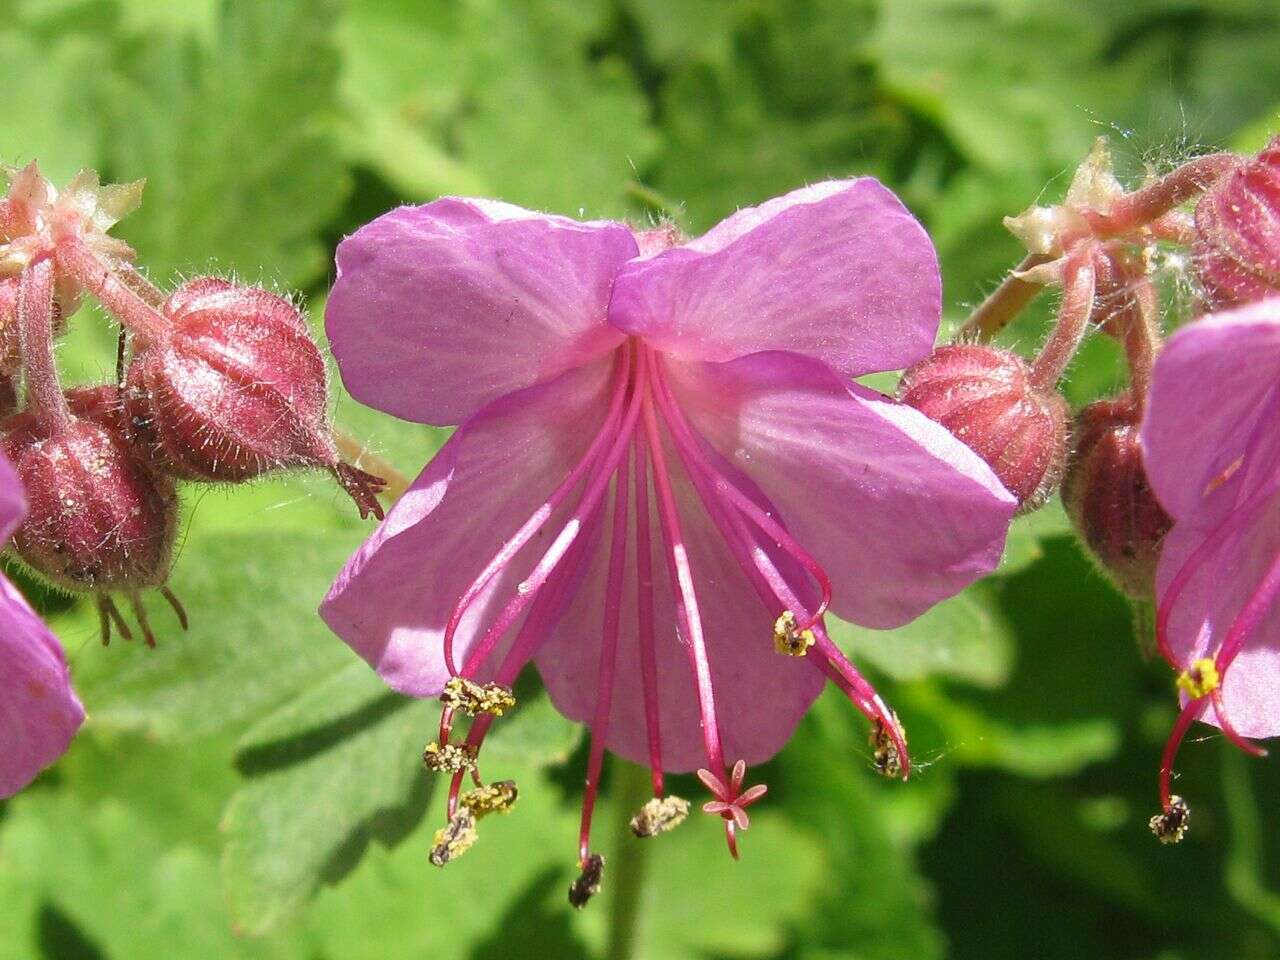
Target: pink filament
[(507, 552), (644, 616), (774, 591), (1237, 518), (591, 498), (682, 587), (1190, 713), (608, 655), (683, 434)]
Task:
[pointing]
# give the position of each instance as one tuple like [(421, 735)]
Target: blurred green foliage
[(249, 790)]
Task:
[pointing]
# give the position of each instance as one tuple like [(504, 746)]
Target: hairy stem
[(35, 337), (1073, 322), (1003, 305), (1139, 208)]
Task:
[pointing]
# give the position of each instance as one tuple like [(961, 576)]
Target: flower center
[(629, 456)]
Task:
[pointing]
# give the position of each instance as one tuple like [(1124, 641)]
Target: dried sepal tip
[(587, 884), (660, 815)]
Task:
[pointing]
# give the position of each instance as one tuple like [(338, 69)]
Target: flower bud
[(984, 396), (98, 518), (1109, 499), (1237, 222), (234, 389)]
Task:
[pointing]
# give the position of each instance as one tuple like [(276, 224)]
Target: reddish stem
[(1137, 209), (35, 336), (1003, 304), (117, 297), (1073, 322)]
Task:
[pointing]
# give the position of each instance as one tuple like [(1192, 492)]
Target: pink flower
[(39, 712), (1212, 449), (709, 385)]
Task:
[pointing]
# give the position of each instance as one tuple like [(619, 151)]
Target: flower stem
[(35, 335), (119, 299), (1069, 331), (628, 861), (1003, 305)]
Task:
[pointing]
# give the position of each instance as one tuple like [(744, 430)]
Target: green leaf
[(965, 637), (255, 639), (113, 884), (317, 795), (236, 142), (44, 112), (494, 97)]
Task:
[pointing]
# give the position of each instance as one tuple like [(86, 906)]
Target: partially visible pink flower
[(1212, 450), (39, 711), (709, 387)]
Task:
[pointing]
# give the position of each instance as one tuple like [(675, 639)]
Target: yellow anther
[(660, 815), (884, 749), (454, 838), (1200, 680), (1170, 825), (789, 641), (449, 758), (476, 698), (496, 797)]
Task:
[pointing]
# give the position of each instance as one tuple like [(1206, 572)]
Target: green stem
[(627, 861)]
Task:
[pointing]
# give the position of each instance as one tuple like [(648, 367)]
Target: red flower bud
[(98, 519), (1108, 498), (1237, 244), (236, 388), (984, 396)]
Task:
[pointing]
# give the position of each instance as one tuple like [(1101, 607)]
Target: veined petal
[(440, 309), (394, 597), (39, 710), (1214, 382), (898, 512), (840, 271), (1213, 597), (760, 695)]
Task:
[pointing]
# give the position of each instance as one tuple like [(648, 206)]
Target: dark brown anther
[(588, 883), (1170, 825)]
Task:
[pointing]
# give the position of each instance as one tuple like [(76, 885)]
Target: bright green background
[(249, 790)]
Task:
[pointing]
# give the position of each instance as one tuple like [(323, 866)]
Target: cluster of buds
[(221, 383), (1218, 213)]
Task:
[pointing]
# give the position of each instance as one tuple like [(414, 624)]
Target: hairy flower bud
[(99, 518), (1109, 499), (1237, 244), (236, 388), (984, 396)]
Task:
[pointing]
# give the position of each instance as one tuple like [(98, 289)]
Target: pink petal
[(898, 512), (1210, 602), (39, 710), (840, 271), (1214, 382), (13, 502), (392, 600), (760, 695), (439, 309)]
